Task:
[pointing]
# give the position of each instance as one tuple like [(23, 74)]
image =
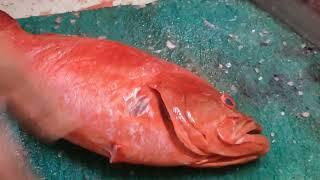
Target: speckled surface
[(273, 74)]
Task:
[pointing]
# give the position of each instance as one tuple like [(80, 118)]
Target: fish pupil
[(229, 102)]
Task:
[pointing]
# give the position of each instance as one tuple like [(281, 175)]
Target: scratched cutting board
[(273, 74)]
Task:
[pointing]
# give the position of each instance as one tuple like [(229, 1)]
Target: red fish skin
[(133, 107)]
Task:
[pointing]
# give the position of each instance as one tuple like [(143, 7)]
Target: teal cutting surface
[(272, 73)]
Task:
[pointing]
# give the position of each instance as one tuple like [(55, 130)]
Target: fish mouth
[(243, 133), (242, 141), (233, 129), (239, 141)]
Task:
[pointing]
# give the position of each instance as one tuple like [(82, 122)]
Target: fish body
[(133, 107)]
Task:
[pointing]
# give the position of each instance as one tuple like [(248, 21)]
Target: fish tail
[(9, 24)]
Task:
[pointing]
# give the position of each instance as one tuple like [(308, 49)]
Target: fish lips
[(243, 130), (239, 140)]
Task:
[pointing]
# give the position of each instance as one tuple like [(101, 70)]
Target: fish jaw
[(222, 162), (240, 131)]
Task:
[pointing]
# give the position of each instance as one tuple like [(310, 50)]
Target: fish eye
[(228, 101)]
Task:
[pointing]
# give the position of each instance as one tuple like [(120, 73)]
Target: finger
[(38, 109), (13, 164)]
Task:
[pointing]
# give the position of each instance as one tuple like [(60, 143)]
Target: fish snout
[(243, 130)]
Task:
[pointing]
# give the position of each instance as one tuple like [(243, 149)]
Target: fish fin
[(8, 23), (115, 153)]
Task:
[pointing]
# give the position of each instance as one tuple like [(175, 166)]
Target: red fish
[(130, 106)]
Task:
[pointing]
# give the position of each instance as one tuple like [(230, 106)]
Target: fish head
[(217, 118), (208, 123)]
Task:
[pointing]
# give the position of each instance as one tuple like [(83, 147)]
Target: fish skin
[(133, 107)]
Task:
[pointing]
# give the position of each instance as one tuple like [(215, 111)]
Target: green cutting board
[(274, 76)]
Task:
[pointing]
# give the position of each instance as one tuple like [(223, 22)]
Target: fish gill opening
[(169, 125)]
